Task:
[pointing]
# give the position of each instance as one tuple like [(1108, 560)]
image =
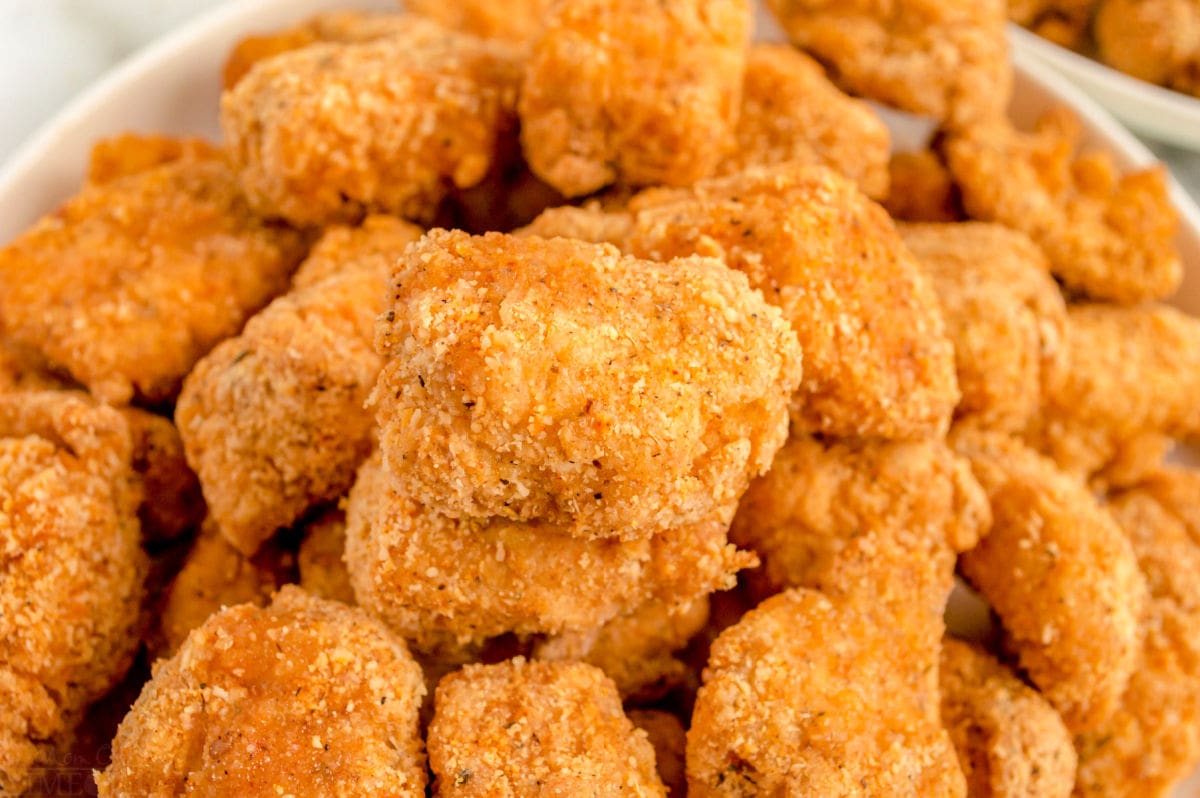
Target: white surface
[(173, 87)]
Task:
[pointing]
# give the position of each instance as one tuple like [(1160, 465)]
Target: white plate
[(174, 87), (1151, 110)]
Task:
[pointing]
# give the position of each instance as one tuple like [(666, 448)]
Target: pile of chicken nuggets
[(584, 400)]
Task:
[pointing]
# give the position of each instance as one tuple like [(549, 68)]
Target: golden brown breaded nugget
[(1010, 741), (172, 503), (374, 245), (669, 739), (333, 131), (215, 575), (306, 697), (1153, 740), (630, 92), (273, 421), (131, 153), (920, 189), (877, 362), (1154, 40), (1064, 22), (791, 112), (1130, 372), (71, 571), (129, 283), (555, 380), (1061, 576), (943, 58), (514, 20), (322, 568), (819, 498), (635, 650), (1108, 236), (437, 582), (536, 729), (589, 223), (1003, 312)]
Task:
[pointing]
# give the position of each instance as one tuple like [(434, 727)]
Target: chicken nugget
[(305, 697), (1131, 372), (1061, 576), (172, 503), (333, 131), (1010, 741), (557, 381), (921, 189), (1108, 236), (1064, 22), (1154, 40), (791, 112), (877, 361), (320, 559), (669, 739), (444, 583), (1003, 312), (71, 572), (536, 729), (374, 245), (942, 58), (517, 21), (130, 282), (589, 222), (630, 92), (1177, 490), (131, 153)]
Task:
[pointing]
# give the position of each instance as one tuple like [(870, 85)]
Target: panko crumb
[(536, 728)]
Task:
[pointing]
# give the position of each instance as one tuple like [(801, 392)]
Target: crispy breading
[(536, 729), (131, 153), (437, 582), (877, 362), (171, 503), (215, 575), (1153, 740), (942, 58), (374, 245), (1060, 575), (1130, 372), (517, 21), (1010, 741), (590, 223), (554, 380), (1003, 312), (635, 650), (333, 131), (322, 568), (1154, 40), (669, 739), (920, 189), (273, 421), (630, 92), (71, 571), (819, 498), (306, 697), (791, 112), (1108, 236), (1064, 22)]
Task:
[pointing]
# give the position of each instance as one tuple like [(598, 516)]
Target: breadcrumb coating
[(320, 559), (791, 112), (942, 58), (131, 153), (373, 246), (1060, 575), (554, 380), (1010, 741), (921, 189), (1004, 313), (630, 92), (877, 362), (1064, 22), (1154, 40), (439, 582), (1108, 236), (130, 282), (333, 131), (553, 729), (71, 572), (305, 697), (517, 21), (669, 739)]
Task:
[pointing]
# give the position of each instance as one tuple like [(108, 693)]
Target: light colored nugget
[(374, 245), (517, 21), (636, 93), (332, 131), (819, 498), (130, 282), (831, 693), (1130, 372), (921, 189), (1060, 575), (1153, 739), (1010, 741), (320, 559), (942, 58), (131, 153), (558, 381), (71, 572), (1004, 313), (305, 697), (877, 361), (1064, 22), (439, 582), (669, 739), (553, 729), (274, 421), (1108, 236), (1154, 40), (791, 112)]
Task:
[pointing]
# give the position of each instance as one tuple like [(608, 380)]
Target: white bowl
[(1153, 111)]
